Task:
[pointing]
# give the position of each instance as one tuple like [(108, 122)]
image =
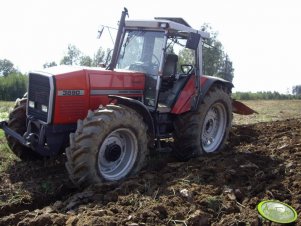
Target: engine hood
[(73, 90), (65, 69), (62, 70)]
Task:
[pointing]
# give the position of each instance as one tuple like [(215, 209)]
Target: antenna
[(100, 32)]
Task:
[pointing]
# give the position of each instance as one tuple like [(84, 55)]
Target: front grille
[(38, 92)]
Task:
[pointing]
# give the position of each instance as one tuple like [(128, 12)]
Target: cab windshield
[(141, 51)]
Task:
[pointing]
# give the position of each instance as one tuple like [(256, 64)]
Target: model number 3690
[(71, 92)]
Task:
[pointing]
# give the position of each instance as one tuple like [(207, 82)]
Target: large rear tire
[(109, 145), (17, 122), (207, 129)]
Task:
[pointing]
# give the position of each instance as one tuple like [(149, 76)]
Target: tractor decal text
[(70, 92)]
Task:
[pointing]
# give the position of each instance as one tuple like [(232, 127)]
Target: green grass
[(5, 107), (2, 140), (270, 110), (6, 156)]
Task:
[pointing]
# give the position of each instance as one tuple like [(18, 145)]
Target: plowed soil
[(261, 161)]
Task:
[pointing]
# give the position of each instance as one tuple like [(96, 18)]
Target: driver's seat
[(169, 71), (170, 66)]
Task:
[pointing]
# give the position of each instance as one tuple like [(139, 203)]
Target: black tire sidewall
[(85, 143), (188, 126)]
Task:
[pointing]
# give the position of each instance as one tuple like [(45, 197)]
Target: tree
[(6, 67), (13, 86), (49, 64), (99, 57), (75, 57), (296, 90), (85, 61), (186, 55), (72, 57), (215, 61), (226, 71)]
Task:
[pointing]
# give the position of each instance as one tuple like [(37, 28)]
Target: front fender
[(140, 108)]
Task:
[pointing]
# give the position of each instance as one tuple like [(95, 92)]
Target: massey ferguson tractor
[(108, 119)]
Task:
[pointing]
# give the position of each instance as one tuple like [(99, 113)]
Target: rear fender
[(188, 99), (237, 106), (139, 107), (208, 81)]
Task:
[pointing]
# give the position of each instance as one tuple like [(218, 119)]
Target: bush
[(13, 86)]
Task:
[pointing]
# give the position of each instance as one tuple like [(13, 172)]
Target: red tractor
[(108, 119)]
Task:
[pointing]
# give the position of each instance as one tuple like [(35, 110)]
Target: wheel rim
[(214, 127), (117, 154)]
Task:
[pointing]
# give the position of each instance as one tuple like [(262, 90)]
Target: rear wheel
[(109, 145), (207, 129), (17, 122)]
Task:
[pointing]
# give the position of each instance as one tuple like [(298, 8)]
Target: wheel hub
[(112, 152), (214, 127), (117, 154), (209, 126)]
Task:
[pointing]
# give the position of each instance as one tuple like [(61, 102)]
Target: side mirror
[(193, 40)]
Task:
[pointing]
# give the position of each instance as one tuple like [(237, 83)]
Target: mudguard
[(208, 81), (139, 107), (237, 106), (188, 100)]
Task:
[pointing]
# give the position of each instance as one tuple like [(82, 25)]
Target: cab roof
[(163, 23)]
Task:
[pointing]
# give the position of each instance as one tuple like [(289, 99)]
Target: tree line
[(74, 56), (13, 84), (265, 96)]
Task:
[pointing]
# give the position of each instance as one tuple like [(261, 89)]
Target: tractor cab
[(167, 50)]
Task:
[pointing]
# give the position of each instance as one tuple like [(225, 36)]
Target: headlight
[(31, 104), (44, 108)]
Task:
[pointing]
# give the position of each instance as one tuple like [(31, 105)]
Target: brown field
[(262, 161)]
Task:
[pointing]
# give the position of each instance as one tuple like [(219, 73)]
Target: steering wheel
[(186, 68)]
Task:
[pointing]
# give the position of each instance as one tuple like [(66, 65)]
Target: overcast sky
[(262, 37)]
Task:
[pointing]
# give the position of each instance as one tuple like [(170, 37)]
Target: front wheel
[(207, 129), (17, 122), (109, 145)]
